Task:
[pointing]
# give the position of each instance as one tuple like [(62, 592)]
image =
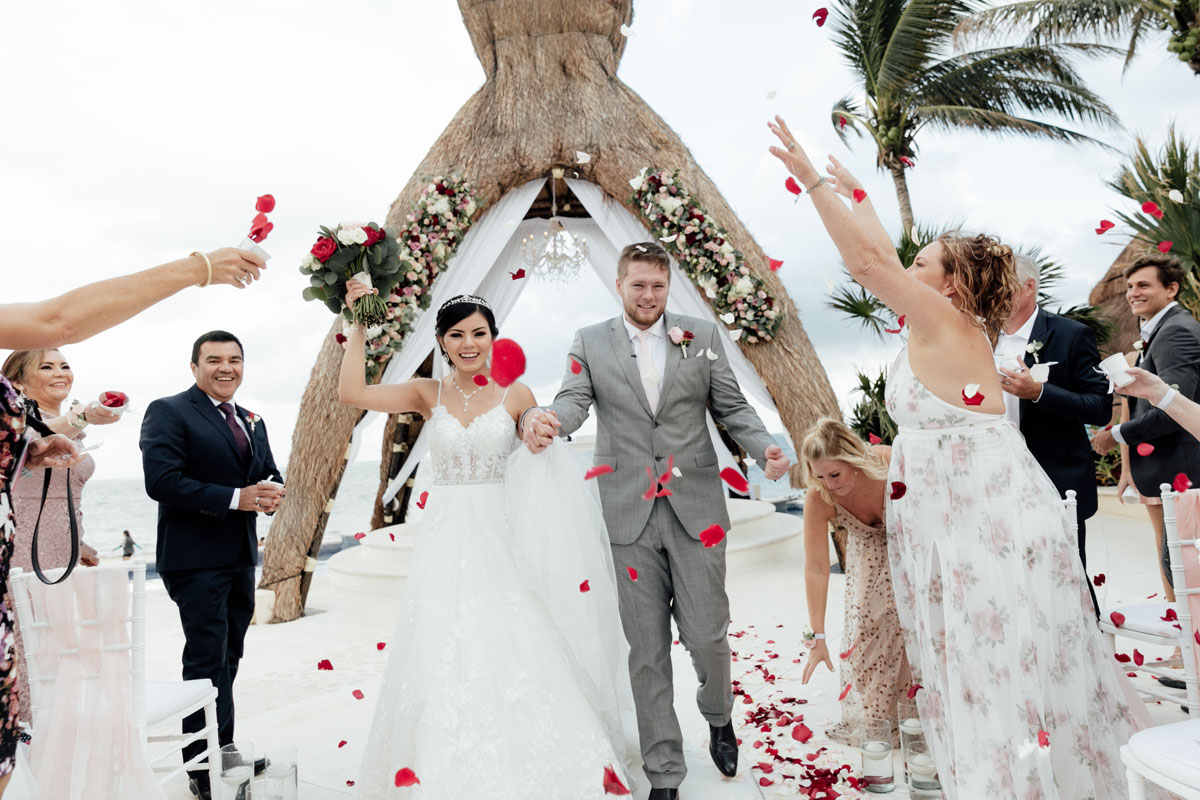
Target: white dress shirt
[(1010, 354), (237, 492), (657, 344), (1147, 328)]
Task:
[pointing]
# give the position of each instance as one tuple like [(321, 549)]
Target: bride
[(506, 681)]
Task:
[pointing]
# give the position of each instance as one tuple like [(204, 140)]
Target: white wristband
[(818, 636), (1171, 394)]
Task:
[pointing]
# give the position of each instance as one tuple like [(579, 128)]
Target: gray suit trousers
[(675, 575)]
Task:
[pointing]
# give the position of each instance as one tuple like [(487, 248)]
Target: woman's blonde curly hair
[(830, 439), (984, 274)]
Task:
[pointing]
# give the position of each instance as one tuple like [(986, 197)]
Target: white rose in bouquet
[(351, 233), (742, 287), (670, 203), (309, 262)]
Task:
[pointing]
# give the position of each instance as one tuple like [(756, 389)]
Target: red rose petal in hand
[(819, 15), (520, 273), (597, 471), (1170, 616), (585, 587), (508, 362), (1117, 618), (899, 325), (1145, 449), (324, 663), (912, 690), (1181, 483), (1165, 247), (612, 782), (791, 185), (873, 439), (801, 733), (898, 490), (358, 695), (406, 777), (1105, 225), (1043, 739), (576, 367), (1138, 658), (712, 535), (1098, 580), (845, 692), (422, 500), (774, 264), (632, 573), (859, 195), (736, 480), (265, 204)]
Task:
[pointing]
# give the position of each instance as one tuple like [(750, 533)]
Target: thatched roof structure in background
[(1109, 297), (551, 89)]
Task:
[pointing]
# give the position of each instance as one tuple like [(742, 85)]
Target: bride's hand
[(792, 154), (356, 289), (818, 654), (840, 179)]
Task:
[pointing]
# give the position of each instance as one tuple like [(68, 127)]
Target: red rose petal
[(597, 471), (1170, 616), (258, 233), (423, 499), (324, 663), (1121, 657), (736, 480), (349, 783), (632, 573), (1043, 739), (1152, 596), (576, 367), (859, 195), (898, 490), (341, 744), (360, 536), (380, 645), (1105, 225), (520, 273), (584, 587), (841, 122), (480, 380), (340, 338), (358, 695), (912, 690), (845, 692), (1117, 618), (819, 15), (1165, 247), (612, 782), (1145, 449), (873, 439), (908, 162), (899, 325), (801, 733), (663, 493), (791, 185), (392, 536), (1138, 658), (259, 219), (712, 535), (774, 264), (113, 399), (406, 777), (265, 204), (508, 362), (653, 490), (1196, 636), (765, 782), (1150, 207), (974, 400), (1098, 580), (1181, 483)]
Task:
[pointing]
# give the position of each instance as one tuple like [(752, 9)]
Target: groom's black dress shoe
[(200, 788), (663, 794), (1172, 683), (723, 747)]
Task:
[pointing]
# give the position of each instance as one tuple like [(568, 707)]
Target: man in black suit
[(1170, 348), (1052, 415), (208, 463)]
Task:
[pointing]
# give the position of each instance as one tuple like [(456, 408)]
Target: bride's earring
[(446, 358)]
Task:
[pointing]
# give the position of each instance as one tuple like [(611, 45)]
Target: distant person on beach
[(127, 546), (73, 317), (208, 463)]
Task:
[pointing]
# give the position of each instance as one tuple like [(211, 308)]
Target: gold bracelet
[(207, 263)]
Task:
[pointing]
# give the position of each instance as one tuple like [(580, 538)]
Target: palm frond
[(1091, 316), (870, 415), (1051, 20), (848, 110), (950, 117), (860, 306), (921, 26)]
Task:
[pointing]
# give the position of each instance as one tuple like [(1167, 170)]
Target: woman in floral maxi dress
[(1020, 698)]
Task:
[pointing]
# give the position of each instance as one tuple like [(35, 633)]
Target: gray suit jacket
[(630, 439)]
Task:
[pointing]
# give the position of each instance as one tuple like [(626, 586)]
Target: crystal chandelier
[(558, 256)]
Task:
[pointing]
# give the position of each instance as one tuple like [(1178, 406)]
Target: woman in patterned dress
[(847, 486), (73, 317), (1021, 695)]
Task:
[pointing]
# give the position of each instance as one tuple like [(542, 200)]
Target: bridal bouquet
[(353, 251)]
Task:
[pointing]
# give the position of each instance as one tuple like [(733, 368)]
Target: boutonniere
[(681, 337), (1033, 348), (252, 420), (1139, 345)]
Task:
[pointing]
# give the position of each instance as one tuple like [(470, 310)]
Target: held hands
[(1103, 442), (52, 451), (818, 654), (237, 268), (1146, 385), (1020, 383), (263, 496), (356, 289), (777, 463), (540, 429)]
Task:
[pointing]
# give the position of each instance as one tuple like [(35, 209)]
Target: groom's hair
[(214, 336), (649, 252)]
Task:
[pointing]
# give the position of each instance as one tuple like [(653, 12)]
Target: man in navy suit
[(208, 463), (1052, 415)]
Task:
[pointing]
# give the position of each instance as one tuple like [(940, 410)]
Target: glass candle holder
[(878, 776), (237, 769), (922, 771), (281, 777)]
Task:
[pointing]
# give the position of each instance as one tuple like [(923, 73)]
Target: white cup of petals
[(252, 246), (1041, 372), (1116, 368)]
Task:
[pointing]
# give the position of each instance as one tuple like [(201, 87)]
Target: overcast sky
[(138, 131)]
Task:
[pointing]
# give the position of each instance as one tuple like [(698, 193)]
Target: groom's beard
[(643, 316)]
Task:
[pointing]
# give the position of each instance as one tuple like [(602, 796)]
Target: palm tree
[(901, 50), (1053, 20)]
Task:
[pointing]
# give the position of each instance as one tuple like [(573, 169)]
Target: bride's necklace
[(466, 397)]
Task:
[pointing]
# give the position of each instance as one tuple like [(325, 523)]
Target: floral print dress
[(997, 620), (12, 432)]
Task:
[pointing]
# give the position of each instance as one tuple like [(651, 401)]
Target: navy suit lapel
[(627, 360), (213, 415), (1039, 333)]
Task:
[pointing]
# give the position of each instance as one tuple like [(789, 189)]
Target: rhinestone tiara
[(466, 298)]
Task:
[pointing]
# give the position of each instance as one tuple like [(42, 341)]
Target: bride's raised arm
[(353, 390), (865, 247)]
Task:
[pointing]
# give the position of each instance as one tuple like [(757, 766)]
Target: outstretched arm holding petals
[(1149, 386)]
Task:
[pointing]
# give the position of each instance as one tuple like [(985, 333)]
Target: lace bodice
[(913, 406), (476, 453)]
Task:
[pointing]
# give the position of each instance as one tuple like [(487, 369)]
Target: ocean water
[(111, 506)]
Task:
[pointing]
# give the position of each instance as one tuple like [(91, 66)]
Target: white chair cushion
[(1145, 618), (168, 699), (1173, 750)]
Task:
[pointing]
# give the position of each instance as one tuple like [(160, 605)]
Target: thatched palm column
[(551, 89)]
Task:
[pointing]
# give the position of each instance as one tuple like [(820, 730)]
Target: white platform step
[(379, 565)]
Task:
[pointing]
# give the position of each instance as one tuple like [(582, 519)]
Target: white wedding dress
[(507, 681)]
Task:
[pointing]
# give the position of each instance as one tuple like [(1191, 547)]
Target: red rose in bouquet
[(323, 249), (373, 236)]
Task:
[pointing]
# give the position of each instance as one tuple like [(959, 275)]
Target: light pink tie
[(646, 368)]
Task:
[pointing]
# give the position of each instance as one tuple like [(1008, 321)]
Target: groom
[(651, 394)]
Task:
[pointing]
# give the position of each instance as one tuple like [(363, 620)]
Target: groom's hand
[(540, 429), (777, 463)]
